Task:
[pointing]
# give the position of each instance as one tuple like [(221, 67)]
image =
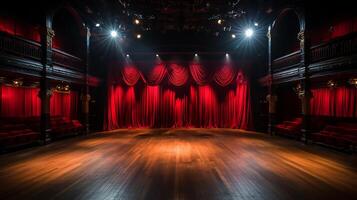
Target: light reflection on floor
[(178, 164)]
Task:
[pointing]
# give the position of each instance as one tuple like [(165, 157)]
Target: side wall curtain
[(64, 104), (337, 102), (20, 102)]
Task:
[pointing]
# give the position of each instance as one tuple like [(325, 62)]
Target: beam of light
[(233, 36), (136, 21)]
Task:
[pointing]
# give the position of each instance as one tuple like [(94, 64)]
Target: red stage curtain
[(20, 102), (201, 75), (225, 75), (64, 104), (131, 74), (166, 105), (156, 74), (178, 74), (336, 102)]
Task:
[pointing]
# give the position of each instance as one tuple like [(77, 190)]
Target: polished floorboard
[(178, 164)]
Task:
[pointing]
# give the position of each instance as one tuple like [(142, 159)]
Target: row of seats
[(16, 132), (340, 135), (13, 135)]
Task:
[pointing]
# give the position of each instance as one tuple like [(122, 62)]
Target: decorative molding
[(50, 33)]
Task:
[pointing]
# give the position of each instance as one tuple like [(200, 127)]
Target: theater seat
[(341, 135), (62, 127), (290, 128), (16, 134)]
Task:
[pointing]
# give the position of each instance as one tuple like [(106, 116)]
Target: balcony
[(22, 48), (341, 47)]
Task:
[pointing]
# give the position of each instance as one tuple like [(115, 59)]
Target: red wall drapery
[(336, 102), (20, 102), (178, 102), (64, 104), (25, 102)]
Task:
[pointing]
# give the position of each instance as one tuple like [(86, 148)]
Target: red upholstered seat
[(290, 128), (341, 135), (16, 134), (61, 127)]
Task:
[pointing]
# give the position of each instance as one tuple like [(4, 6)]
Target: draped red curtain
[(178, 102), (178, 74), (201, 75), (19, 102), (336, 102), (64, 104)]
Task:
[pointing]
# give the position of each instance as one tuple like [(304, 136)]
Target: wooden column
[(305, 93), (45, 89), (271, 97), (86, 93)]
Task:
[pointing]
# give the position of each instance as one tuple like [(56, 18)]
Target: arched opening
[(68, 29), (284, 34)]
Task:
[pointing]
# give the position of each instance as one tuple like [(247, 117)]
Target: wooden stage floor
[(178, 164)]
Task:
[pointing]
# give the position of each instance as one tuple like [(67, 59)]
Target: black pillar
[(271, 97), (305, 94), (86, 93), (45, 89)]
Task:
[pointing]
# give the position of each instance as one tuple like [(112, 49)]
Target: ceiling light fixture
[(249, 33), (113, 34)]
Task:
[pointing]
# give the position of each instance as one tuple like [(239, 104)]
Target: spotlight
[(114, 34), (219, 21), (233, 36), (256, 24), (157, 55), (196, 54), (97, 25), (227, 55), (249, 33), (127, 55), (138, 36), (136, 21)]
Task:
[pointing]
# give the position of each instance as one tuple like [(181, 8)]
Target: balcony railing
[(32, 50), (344, 46), (66, 60), (20, 47), (288, 60)]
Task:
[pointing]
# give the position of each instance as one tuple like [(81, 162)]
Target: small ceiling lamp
[(331, 84), (353, 81)]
